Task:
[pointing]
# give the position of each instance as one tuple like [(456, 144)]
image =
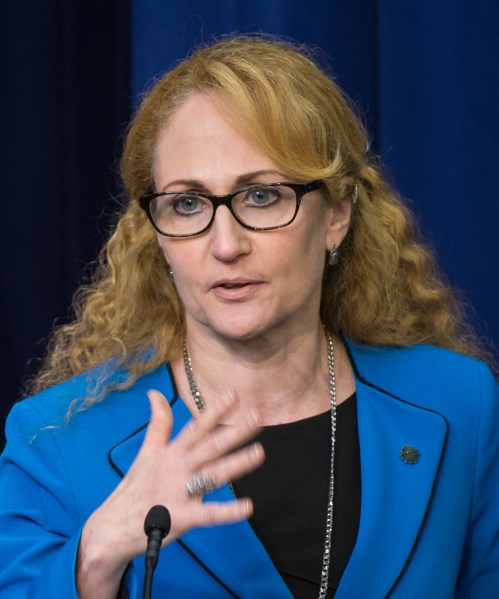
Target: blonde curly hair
[(386, 290)]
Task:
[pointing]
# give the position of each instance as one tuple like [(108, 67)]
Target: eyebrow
[(245, 179)]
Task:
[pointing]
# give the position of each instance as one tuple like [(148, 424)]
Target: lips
[(234, 289), (234, 283)]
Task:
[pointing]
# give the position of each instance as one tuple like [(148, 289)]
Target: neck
[(280, 381)]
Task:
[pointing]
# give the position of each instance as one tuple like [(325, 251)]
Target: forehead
[(201, 141)]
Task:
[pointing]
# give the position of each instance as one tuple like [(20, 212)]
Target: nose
[(229, 239)]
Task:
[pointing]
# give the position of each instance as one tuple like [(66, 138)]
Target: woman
[(266, 281)]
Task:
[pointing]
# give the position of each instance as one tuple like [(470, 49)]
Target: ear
[(338, 222)]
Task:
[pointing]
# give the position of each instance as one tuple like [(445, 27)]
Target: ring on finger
[(199, 485)]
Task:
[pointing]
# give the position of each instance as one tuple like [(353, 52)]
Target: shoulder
[(48, 453), (420, 353), (422, 372), (71, 405)]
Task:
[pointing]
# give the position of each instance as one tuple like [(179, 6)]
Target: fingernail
[(253, 416), (228, 398), (258, 450)]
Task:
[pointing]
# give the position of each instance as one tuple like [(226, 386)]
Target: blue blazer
[(428, 529)]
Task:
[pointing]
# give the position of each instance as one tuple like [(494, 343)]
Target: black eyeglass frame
[(300, 190)]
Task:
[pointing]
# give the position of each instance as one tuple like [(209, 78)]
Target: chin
[(240, 332), (245, 329), (235, 328), (239, 324)]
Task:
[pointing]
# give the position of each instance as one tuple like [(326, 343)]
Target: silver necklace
[(200, 405)]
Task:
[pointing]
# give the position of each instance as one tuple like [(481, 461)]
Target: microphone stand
[(156, 526)]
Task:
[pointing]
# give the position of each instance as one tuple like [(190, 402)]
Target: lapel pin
[(409, 454)]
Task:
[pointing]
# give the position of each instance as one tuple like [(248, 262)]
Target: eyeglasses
[(258, 207)]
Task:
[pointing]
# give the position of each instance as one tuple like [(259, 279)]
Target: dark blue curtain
[(64, 102), (423, 74)]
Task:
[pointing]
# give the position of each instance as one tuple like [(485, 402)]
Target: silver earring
[(355, 194), (170, 275), (334, 256)]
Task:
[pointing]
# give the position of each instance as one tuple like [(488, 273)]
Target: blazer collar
[(395, 494)]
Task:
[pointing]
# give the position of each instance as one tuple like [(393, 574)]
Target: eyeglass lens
[(263, 206)]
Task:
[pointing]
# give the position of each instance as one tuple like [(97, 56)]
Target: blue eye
[(188, 204), (262, 196)]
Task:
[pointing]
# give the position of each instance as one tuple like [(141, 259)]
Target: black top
[(290, 496)]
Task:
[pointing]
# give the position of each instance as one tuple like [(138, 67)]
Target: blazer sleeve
[(479, 573), (39, 524)]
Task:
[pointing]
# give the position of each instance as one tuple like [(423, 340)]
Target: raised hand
[(160, 474)]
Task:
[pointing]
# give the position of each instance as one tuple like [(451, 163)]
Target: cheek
[(181, 257), (302, 258), (312, 242)]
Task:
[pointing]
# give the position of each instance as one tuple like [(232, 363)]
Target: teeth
[(233, 286)]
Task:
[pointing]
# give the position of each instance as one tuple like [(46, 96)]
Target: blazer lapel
[(396, 492), (121, 455), (395, 497), (233, 553)]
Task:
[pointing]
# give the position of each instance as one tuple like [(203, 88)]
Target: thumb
[(160, 426)]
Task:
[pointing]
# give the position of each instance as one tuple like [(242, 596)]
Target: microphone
[(156, 526)]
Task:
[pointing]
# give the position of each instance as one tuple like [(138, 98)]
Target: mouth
[(235, 288), (233, 285)]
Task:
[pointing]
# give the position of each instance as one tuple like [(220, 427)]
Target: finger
[(229, 468), (160, 426), (235, 465), (212, 513), (223, 439), (207, 422)]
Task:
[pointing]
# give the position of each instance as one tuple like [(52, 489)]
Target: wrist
[(100, 564)]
